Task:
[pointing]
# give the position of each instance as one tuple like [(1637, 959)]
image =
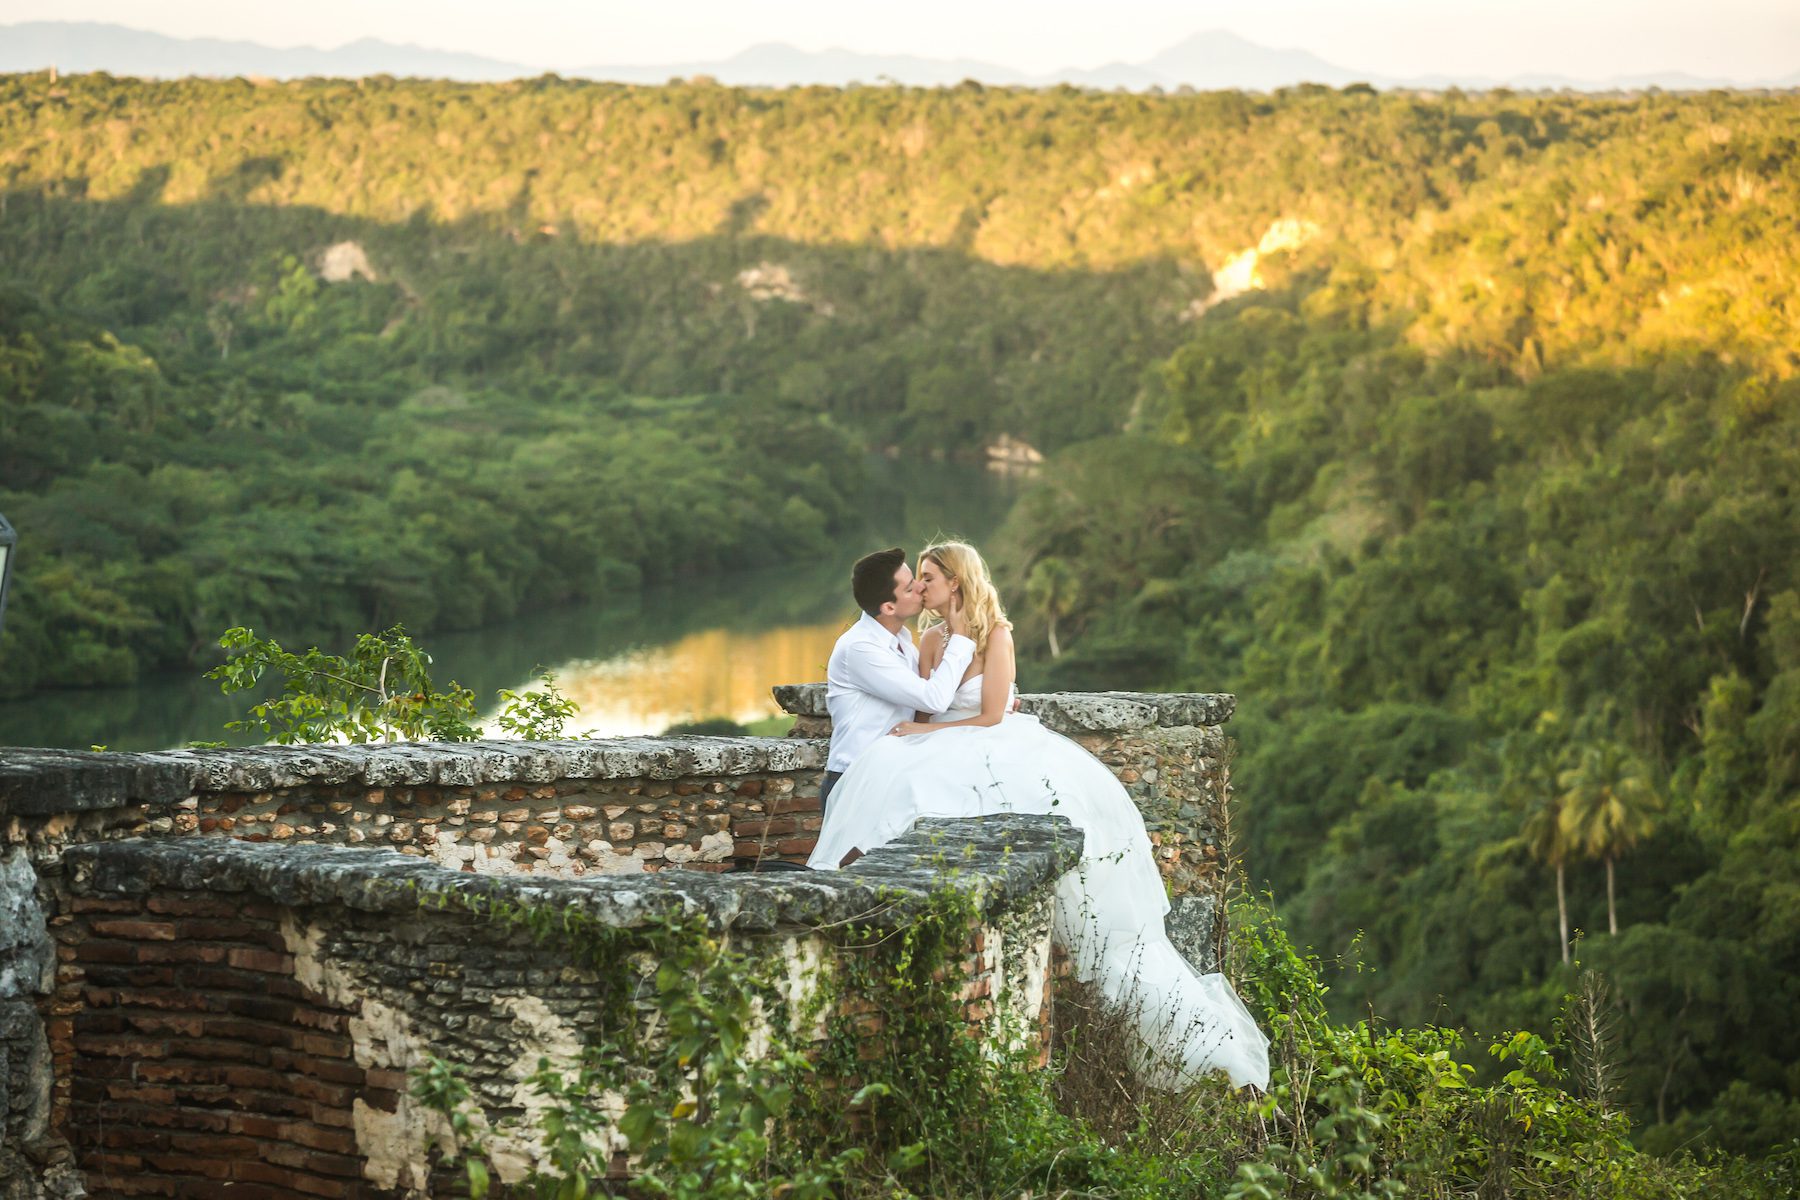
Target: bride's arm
[(996, 688)]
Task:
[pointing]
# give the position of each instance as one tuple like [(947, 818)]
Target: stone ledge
[(1071, 712), (1171, 708), (801, 699), (994, 860), (37, 782), (42, 782)]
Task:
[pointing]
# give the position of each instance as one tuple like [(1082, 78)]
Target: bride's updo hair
[(981, 603)]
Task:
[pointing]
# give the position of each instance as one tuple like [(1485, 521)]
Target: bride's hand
[(905, 728)]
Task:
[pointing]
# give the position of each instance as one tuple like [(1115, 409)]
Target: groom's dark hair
[(872, 578)]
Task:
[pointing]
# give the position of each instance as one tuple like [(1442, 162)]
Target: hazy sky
[(1738, 39)]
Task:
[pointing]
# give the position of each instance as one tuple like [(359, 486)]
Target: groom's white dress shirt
[(873, 683)]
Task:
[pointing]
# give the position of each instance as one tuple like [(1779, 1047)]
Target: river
[(635, 664)]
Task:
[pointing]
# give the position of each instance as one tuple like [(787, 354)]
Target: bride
[(979, 758)]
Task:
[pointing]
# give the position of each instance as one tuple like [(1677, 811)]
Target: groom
[(873, 683)]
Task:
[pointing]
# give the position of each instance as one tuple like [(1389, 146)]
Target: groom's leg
[(825, 786)]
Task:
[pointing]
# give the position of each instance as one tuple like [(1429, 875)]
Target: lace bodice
[(966, 702)]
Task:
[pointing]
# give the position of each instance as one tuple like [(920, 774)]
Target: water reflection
[(709, 647), (713, 673)]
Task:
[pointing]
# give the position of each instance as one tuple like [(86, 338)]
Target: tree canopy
[(1458, 434)]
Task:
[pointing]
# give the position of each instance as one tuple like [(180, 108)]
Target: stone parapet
[(43, 782), (1065, 712), (1120, 712), (618, 806)]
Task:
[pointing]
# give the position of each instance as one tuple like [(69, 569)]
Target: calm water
[(635, 664)]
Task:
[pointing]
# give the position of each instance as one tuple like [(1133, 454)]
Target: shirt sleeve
[(880, 672)]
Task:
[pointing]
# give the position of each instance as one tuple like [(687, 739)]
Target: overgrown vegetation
[(895, 1101), (698, 1100)]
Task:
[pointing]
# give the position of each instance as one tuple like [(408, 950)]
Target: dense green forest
[(1479, 490)]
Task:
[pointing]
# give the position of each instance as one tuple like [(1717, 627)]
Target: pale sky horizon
[(1742, 40)]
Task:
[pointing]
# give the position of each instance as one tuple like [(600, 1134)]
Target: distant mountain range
[(1205, 61)]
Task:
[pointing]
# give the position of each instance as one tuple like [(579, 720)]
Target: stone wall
[(594, 813), (237, 1019), (615, 806), (30, 1157)]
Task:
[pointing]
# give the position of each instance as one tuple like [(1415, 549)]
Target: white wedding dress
[(1109, 909)]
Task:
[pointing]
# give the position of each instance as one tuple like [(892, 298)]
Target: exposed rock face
[(344, 261), (773, 281), (1008, 453), (1192, 925), (26, 956), (1241, 272)]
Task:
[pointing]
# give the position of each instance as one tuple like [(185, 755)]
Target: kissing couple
[(932, 731)]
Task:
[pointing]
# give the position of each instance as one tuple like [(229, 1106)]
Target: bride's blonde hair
[(980, 602)]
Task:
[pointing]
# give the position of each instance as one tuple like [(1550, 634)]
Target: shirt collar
[(875, 629)]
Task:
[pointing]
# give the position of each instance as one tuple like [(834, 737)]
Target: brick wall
[(190, 1062)]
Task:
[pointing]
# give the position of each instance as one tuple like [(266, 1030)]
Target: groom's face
[(909, 598)]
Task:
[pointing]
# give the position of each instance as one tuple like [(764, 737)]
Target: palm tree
[(1530, 780), (1544, 839), (1608, 804), (1054, 588)]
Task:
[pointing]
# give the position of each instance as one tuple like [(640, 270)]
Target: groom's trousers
[(825, 786)]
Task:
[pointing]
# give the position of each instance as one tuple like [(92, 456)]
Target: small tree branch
[(341, 679), (1750, 602), (387, 727)]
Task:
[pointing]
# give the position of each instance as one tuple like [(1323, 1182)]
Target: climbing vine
[(874, 1082)]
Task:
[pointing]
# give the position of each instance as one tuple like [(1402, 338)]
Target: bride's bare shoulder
[(932, 638)]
